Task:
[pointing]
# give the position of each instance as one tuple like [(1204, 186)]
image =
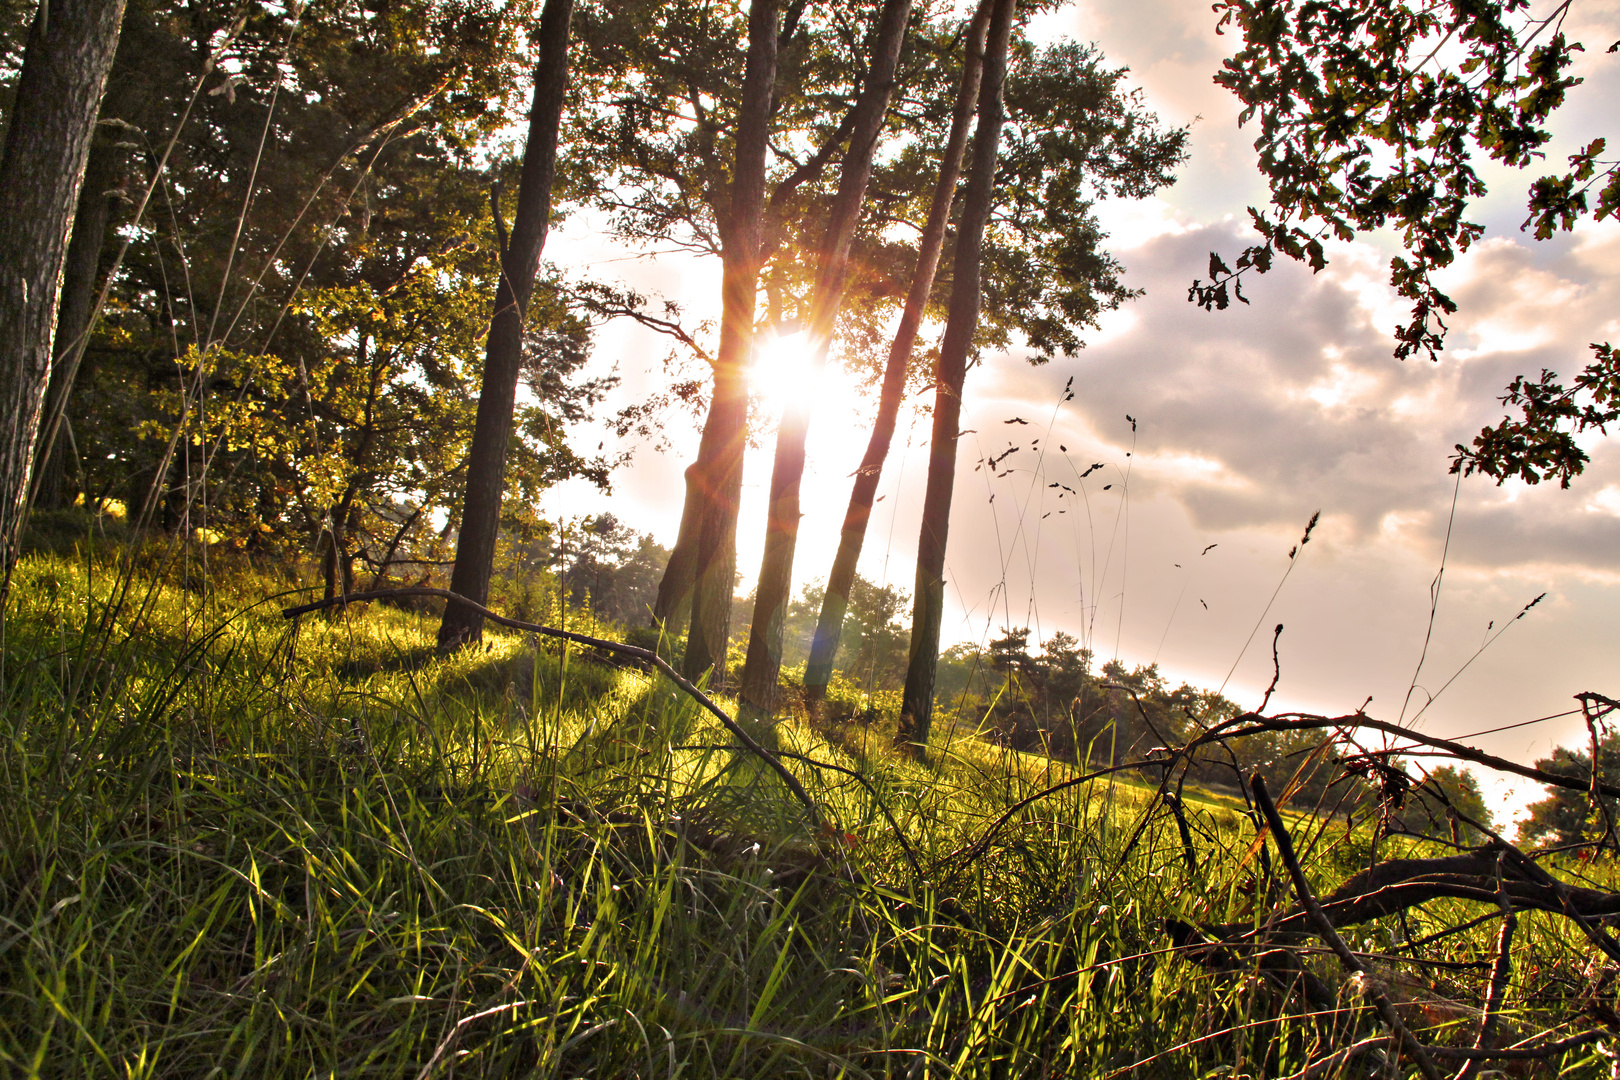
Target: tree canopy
[(292, 343)]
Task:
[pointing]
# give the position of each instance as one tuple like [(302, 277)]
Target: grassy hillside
[(234, 845)]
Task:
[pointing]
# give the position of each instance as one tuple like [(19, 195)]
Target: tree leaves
[(1363, 126), (1540, 444)]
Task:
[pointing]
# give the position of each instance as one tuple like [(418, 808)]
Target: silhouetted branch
[(1253, 723)]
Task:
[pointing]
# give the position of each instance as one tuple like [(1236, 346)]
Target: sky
[(1246, 422)]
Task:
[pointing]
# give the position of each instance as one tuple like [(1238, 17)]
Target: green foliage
[(1566, 816), (613, 569), (1541, 444), (1074, 134), (1054, 702), (292, 347), (1358, 131), (1460, 790)]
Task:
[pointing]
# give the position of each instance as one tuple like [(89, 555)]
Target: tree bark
[(673, 606), (70, 50), (928, 600), (757, 694), (835, 603), (503, 353), (717, 478)]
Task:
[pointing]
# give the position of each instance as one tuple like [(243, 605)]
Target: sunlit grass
[(239, 846)]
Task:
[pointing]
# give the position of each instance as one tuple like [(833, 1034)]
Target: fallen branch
[(1255, 723), (1313, 910), (646, 656), (1328, 1066), (1398, 884)]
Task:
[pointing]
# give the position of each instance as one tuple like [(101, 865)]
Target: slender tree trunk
[(835, 603), (928, 600), (717, 478), (503, 353), (81, 272), (70, 49), (329, 565), (757, 694)]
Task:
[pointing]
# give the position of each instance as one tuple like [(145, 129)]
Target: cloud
[(1255, 416)]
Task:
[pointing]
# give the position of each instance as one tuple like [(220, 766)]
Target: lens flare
[(783, 372)]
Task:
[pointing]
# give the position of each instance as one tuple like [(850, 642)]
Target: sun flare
[(783, 371)]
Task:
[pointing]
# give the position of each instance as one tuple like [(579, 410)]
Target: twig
[(1596, 934), (1594, 707), (1500, 971), (1566, 896), (644, 655), (1374, 994), (1276, 669), (1338, 1059)]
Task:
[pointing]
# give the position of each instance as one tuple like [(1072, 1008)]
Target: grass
[(238, 847)]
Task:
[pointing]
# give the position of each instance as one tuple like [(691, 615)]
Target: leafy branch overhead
[(1541, 444), (1374, 115)]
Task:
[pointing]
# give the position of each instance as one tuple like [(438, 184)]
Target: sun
[(784, 371)]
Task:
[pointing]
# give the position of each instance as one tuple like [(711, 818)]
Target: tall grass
[(234, 846)]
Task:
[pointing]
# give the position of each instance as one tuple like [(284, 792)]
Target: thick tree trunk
[(717, 478), (70, 50), (81, 274), (928, 600), (673, 606), (835, 603), (757, 694), (503, 353)]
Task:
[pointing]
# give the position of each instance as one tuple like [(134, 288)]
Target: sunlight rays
[(783, 372)]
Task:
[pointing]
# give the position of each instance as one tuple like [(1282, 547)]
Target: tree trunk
[(70, 50), (673, 605), (503, 353), (717, 478), (329, 565), (835, 603), (80, 278), (757, 694), (928, 600)]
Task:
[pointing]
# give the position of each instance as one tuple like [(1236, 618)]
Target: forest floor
[(238, 845)]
